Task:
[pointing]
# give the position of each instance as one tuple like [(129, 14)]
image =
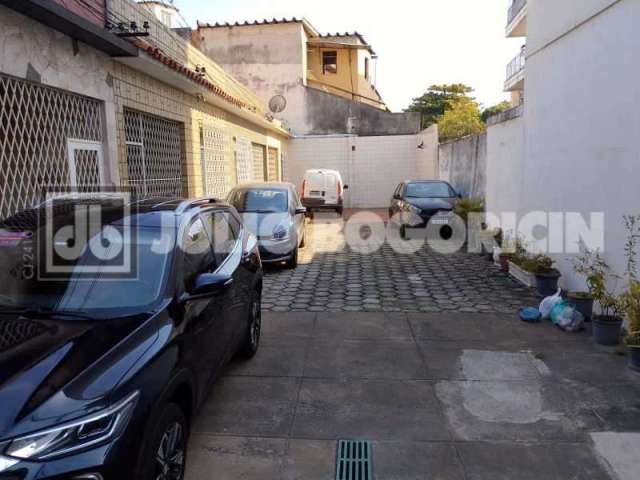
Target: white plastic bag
[(548, 303)]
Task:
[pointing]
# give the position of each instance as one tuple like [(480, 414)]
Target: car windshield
[(429, 190), (100, 283), (262, 200)]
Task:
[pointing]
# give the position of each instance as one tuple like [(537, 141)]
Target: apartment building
[(571, 146), (100, 94)]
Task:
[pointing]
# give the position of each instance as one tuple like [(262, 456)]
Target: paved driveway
[(332, 277), (442, 393)]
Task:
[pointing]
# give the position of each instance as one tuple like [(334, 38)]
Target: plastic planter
[(582, 304), (606, 330), (547, 282)]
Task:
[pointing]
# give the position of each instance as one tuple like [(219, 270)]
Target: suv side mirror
[(459, 195), (345, 187), (208, 285), (396, 196), (301, 210)]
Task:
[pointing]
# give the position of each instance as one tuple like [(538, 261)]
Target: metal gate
[(272, 164), (213, 148), (37, 124), (259, 162), (154, 155), (244, 166)]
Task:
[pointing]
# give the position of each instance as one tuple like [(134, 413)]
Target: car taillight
[(304, 183)]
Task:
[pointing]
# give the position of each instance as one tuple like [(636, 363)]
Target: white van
[(323, 190)]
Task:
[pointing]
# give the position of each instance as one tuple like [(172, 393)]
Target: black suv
[(108, 348)]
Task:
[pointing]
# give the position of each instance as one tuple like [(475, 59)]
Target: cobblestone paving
[(332, 277)]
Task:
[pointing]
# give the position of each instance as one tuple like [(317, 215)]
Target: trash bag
[(566, 317), (546, 306)]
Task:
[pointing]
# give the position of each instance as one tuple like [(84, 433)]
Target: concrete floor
[(393, 349), (441, 396)]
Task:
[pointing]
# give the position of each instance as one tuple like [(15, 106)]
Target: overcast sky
[(419, 42)]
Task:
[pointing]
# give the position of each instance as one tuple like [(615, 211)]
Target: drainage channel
[(354, 460)]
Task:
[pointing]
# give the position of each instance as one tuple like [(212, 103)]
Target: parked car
[(415, 203), (100, 377), (274, 213), (323, 190)]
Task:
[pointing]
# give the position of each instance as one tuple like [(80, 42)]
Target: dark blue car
[(108, 346)]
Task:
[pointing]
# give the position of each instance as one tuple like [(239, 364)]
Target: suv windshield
[(264, 200), (429, 190), (86, 284)]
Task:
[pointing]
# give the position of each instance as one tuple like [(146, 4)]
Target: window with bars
[(37, 124), (154, 155), (215, 171)]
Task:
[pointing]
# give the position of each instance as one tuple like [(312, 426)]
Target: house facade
[(571, 146), (318, 84), (96, 94)]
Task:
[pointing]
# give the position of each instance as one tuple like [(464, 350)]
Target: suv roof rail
[(198, 202)]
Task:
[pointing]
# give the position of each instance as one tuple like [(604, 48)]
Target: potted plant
[(631, 298), (522, 266), (582, 302), (608, 323), (632, 309), (546, 276)]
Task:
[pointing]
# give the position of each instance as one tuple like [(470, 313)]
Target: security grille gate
[(154, 155), (49, 138), (215, 174), (258, 162), (272, 164), (244, 166)]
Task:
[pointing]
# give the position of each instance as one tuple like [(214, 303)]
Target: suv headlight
[(67, 438)]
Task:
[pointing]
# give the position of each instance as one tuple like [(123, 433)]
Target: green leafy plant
[(631, 297), (599, 277), (467, 206)]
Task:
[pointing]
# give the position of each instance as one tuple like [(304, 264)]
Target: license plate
[(440, 221)]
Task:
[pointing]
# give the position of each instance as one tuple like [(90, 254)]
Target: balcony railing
[(517, 64), (515, 8)]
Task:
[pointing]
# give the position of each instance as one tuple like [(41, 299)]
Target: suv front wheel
[(165, 455)]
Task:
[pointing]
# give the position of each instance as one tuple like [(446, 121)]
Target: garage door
[(259, 152)]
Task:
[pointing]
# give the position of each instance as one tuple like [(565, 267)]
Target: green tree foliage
[(499, 108), (462, 118), (433, 104)]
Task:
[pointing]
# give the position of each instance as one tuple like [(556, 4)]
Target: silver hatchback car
[(272, 211)]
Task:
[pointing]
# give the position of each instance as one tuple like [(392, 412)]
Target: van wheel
[(303, 242), (403, 232), (165, 455), (340, 210)]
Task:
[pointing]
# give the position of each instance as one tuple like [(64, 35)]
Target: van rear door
[(331, 187)]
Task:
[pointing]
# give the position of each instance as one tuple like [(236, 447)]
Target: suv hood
[(44, 365)]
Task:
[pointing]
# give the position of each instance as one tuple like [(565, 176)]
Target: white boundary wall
[(371, 166)]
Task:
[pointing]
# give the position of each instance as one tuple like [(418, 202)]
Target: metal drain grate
[(353, 460)]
